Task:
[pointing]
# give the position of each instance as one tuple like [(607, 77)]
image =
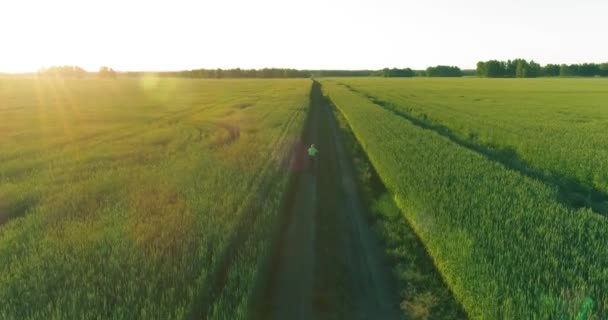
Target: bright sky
[(306, 34)]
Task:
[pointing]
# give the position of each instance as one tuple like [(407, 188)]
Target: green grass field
[(140, 198), (554, 128), (160, 198), (507, 243), (422, 291)]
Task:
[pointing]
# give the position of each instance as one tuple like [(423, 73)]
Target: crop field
[(503, 180), (140, 198), (421, 289), (169, 198), (553, 129)]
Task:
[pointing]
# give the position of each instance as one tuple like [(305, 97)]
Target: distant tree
[(568, 70), (63, 72), (604, 69), (240, 73), (443, 71), (588, 70), (394, 72), (377, 73), (469, 72), (345, 73), (551, 70), (511, 67), (481, 70), (582, 70), (106, 72), (493, 69), (534, 70), (525, 69), (521, 68)]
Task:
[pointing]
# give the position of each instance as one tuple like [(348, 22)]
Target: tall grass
[(504, 244), (555, 126), (423, 293), (120, 198)]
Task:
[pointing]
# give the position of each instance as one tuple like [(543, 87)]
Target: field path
[(328, 264), (294, 274)]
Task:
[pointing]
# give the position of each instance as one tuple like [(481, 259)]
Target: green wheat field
[(132, 197)]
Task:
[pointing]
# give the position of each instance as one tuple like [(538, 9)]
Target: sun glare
[(183, 34)]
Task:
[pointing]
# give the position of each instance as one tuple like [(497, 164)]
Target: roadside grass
[(422, 291)]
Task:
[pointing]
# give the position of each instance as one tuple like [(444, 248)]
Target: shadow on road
[(326, 264)]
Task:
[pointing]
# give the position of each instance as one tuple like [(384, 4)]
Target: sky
[(311, 34)]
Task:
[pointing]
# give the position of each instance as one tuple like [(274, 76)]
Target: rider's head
[(312, 145)]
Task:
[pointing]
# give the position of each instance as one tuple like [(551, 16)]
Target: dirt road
[(327, 264)]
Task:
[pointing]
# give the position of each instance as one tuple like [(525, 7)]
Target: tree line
[(238, 73), (264, 73), (437, 71), (520, 68), (517, 68), (107, 72), (63, 72), (75, 72)]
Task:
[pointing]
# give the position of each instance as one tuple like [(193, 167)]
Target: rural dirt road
[(327, 264)]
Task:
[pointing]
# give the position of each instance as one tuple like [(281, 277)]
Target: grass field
[(140, 198), (506, 242), (161, 198), (554, 129), (422, 292)]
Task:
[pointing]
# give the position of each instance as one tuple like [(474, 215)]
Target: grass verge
[(423, 292)]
